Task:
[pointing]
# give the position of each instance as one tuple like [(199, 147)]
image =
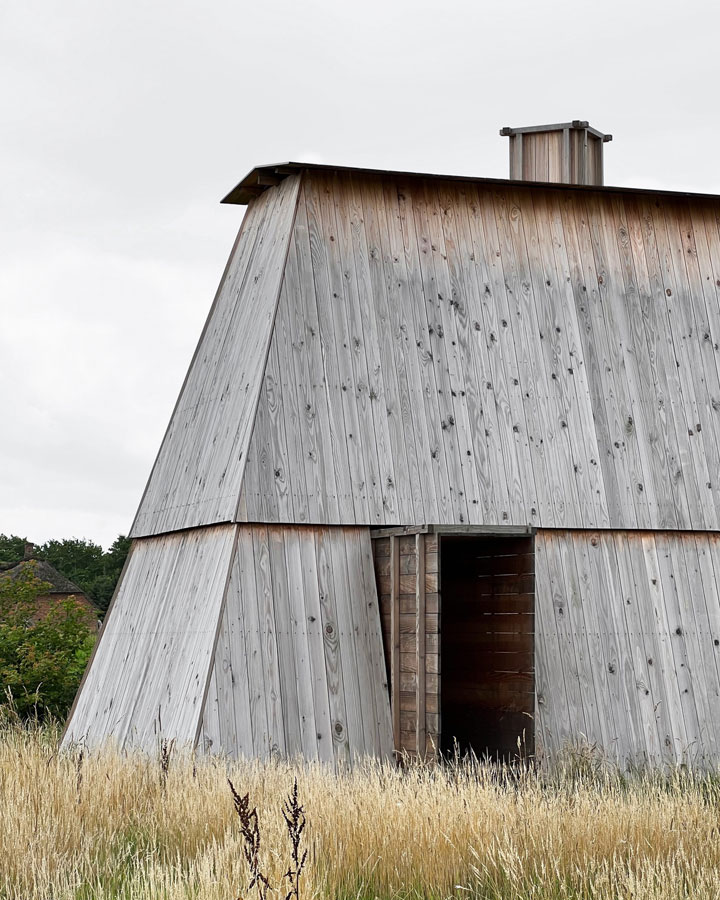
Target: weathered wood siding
[(299, 661), (406, 571), (198, 472), (452, 352), (148, 676), (628, 644)]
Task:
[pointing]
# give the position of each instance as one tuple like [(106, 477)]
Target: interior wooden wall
[(452, 353), (299, 667), (628, 644), (406, 570), (487, 645)]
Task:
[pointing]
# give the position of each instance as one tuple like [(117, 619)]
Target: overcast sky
[(122, 124)]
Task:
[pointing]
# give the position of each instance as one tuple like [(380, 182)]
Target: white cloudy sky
[(122, 124)]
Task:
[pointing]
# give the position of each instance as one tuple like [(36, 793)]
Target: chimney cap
[(575, 125)]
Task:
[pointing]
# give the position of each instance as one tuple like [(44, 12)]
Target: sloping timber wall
[(245, 640), (454, 353), (148, 674), (198, 472), (299, 667), (628, 644)]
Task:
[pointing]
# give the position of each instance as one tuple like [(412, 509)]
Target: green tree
[(42, 659), (85, 563), (12, 549)]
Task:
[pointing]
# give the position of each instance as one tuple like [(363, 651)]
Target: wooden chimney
[(567, 153)]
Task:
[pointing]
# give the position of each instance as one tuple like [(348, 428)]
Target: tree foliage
[(42, 658), (93, 570), (12, 548)]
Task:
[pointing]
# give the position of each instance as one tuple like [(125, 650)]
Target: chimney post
[(565, 153)]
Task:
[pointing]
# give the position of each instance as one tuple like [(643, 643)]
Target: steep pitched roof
[(42, 569)]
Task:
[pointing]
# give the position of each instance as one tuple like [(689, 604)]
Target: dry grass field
[(116, 826)]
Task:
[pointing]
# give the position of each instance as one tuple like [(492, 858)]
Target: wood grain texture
[(628, 644), (464, 354), (298, 668), (197, 477), (148, 678)]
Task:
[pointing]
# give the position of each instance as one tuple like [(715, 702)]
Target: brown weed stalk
[(294, 815), (250, 830)]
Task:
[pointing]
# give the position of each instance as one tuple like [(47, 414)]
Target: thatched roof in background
[(42, 569)]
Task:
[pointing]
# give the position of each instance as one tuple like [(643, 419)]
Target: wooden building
[(445, 468), (54, 587)]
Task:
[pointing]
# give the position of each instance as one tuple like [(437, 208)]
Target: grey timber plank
[(466, 292), (378, 672), (299, 642), (401, 272), (341, 215), (447, 300), (497, 352), (680, 639), (651, 699), (152, 639), (422, 361), (558, 367), (393, 399), (248, 596), (590, 484), (681, 310), (660, 265), (624, 437), (316, 645), (333, 318), (325, 453), (576, 622), (424, 209), (352, 636), (332, 649), (272, 689), (391, 305), (240, 649), (528, 398), (330, 352), (637, 365), (593, 602), (647, 565), (376, 374), (660, 407), (198, 474), (285, 642), (703, 673), (159, 486), (567, 624), (553, 712), (593, 343), (701, 310)]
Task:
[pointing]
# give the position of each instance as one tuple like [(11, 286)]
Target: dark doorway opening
[(487, 640)]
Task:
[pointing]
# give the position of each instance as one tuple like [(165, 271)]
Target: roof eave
[(263, 177)]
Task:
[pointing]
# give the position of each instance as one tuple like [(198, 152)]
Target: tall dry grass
[(117, 826)]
